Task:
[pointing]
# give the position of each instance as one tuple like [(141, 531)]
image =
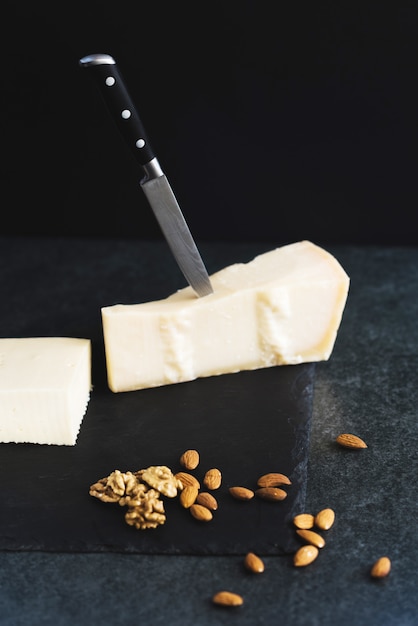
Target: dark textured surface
[(368, 387)]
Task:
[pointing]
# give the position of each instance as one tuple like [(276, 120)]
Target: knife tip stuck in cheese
[(45, 386), (284, 307)]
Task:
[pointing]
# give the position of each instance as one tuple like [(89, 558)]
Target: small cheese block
[(45, 385), (283, 307)]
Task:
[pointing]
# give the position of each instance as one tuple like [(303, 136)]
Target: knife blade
[(154, 184)]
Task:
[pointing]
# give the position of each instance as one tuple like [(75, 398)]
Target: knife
[(154, 183)]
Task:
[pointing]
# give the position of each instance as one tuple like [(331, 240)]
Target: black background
[(272, 120)]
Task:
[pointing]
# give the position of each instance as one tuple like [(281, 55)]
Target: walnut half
[(114, 487), (161, 478), (148, 513)]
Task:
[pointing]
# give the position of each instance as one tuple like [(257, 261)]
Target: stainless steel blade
[(171, 220)]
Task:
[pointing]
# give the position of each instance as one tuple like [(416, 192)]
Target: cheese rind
[(45, 385), (283, 307)]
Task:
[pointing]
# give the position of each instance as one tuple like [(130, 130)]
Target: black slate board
[(246, 423)]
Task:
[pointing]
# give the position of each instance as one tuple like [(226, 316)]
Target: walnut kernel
[(161, 478), (148, 513)]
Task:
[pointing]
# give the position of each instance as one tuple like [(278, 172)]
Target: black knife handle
[(120, 104)]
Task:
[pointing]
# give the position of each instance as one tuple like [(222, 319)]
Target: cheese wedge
[(45, 385), (283, 307)]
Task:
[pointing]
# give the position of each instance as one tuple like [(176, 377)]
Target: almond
[(311, 537), (381, 567), (187, 479), (325, 519), (350, 441), (207, 500), (188, 496), (241, 493), (201, 513), (253, 563), (227, 598), (304, 520), (190, 459), (305, 555), (271, 493), (213, 478), (273, 479)]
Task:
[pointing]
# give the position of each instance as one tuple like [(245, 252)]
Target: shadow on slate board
[(246, 424)]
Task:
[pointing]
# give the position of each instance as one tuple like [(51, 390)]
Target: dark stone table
[(368, 387)]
